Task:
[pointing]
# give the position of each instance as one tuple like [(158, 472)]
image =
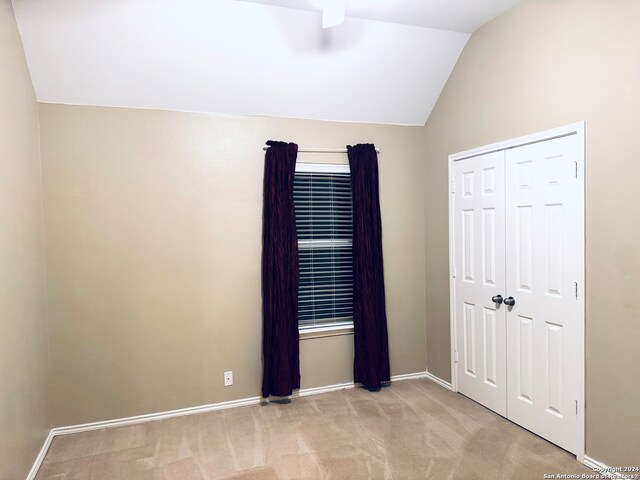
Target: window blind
[(324, 226)]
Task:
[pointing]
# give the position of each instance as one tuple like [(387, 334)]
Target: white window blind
[(322, 197)]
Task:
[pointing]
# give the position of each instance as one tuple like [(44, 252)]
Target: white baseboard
[(121, 422), (305, 392), (601, 468), (40, 458), (408, 376), (438, 380), (348, 385)]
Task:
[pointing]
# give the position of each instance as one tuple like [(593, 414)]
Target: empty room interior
[(319, 239)]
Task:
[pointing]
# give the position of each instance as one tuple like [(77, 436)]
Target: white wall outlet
[(228, 379)]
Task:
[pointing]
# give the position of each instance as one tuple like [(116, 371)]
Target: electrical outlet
[(228, 379)]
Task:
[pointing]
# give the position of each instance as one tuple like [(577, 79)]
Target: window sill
[(329, 331)]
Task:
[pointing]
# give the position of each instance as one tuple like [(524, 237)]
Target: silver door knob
[(510, 301)]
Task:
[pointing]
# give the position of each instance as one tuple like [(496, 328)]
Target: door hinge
[(454, 272), (453, 186), (576, 169), (575, 286), (455, 356), (576, 408)]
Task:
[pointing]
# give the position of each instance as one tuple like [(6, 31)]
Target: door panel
[(541, 268), (479, 262)]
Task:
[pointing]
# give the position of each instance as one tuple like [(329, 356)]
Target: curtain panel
[(371, 363), (280, 273)]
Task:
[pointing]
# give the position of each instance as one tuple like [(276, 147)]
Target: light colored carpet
[(411, 430)]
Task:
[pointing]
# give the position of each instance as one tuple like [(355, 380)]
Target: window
[(322, 198)]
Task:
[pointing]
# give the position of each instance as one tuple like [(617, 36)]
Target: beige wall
[(542, 65), (24, 361), (153, 224)]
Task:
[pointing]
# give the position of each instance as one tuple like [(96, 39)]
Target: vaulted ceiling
[(387, 63)]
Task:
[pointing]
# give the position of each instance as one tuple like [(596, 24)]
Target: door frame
[(578, 129)]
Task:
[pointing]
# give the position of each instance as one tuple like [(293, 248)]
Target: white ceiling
[(456, 15), (240, 57)]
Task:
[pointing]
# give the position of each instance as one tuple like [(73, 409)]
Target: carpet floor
[(413, 429)]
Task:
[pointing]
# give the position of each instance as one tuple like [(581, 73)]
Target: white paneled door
[(480, 278), (516, 266), (541, 268)]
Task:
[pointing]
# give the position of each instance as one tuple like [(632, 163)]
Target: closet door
[(541, 271), (479, 238)]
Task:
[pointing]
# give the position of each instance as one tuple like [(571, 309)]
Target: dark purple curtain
[(371, 363), (280, 276)]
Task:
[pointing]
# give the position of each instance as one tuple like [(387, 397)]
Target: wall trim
[(305, 392), (409, 376), (439, 381), (243, 402), (40, 458), (348, 385), (601, 468), (120, 422)]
